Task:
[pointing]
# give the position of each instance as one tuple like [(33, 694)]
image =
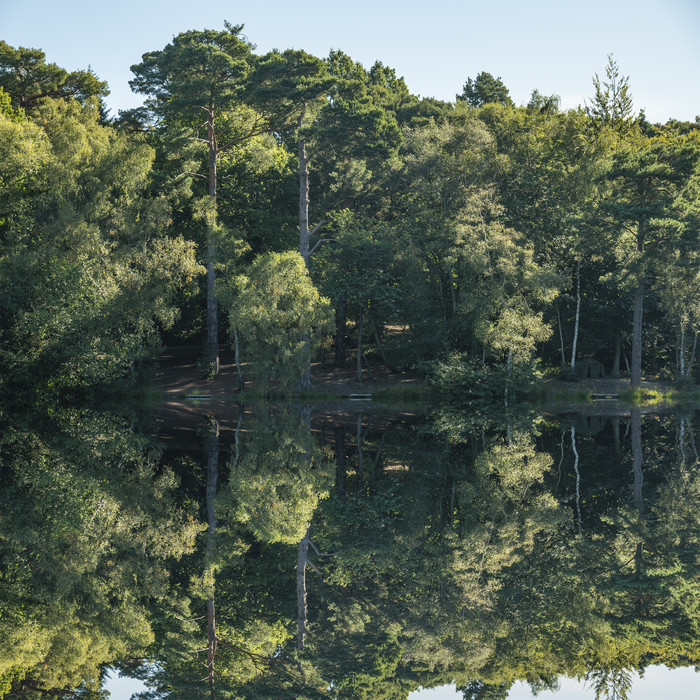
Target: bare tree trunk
[(304, 234), (303, 196), (578, 478), (359, 346), (212, 478), (360, 465), (302, 610), (340, 473), (237, 359), (561, 337), (212, 320), (561, 461), (578, 314), (306, 376), (303, 555), (636, 369), (636, 422), (367, 365)]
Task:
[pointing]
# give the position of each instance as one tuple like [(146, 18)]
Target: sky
[(555, 46), (658, 682)]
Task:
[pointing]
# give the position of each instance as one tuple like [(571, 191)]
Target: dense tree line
[(279, 202), (497, 234), (437, 551)]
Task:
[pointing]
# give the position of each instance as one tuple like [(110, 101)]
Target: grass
[(650, 397), (403, 393)]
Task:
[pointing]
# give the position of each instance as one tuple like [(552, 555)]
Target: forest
[(284, 203), (285, 207)]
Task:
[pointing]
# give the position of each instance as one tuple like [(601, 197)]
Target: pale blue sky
[(553, 45), (658, 682)]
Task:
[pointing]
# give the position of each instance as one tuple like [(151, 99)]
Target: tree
[(88, 277), (359, 269), (646, 216), (201, 74), (292, 87), (485, 89), (280, 316), (28, 79), (612, 102)]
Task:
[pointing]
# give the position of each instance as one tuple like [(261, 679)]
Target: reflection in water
[(290, 553)]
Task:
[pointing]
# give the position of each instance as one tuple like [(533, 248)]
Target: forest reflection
[(297, 552)]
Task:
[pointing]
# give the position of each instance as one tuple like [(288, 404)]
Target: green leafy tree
[(28, 79), (485, 89), (611, 105), (647, 217), (201, 74), (88, 276), (280, 317)]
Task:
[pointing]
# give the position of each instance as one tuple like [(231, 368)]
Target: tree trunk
[(561, 338), (379, 342), (237, 359), (578, 314), (212, 478), (212, 320), (509, 372), (616, 355), (692, 355), (359, 346), (306, 376), (636, 421), (636, 368), (681, 351), (360, 465), (304, 236), (340, 333), (302, 558), (340, 472), (578, 477), (303, 197)]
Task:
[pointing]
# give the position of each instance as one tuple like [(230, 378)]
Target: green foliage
[(611, 105), (194, 70), (28, 79), (280, 316), (87, 275), (485, 89), (277, 480)]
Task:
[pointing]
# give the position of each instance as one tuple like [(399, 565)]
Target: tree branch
[(318, 243), (317, 227), (314, 567)]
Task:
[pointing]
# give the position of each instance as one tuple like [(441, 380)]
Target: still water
[(333, 551)]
